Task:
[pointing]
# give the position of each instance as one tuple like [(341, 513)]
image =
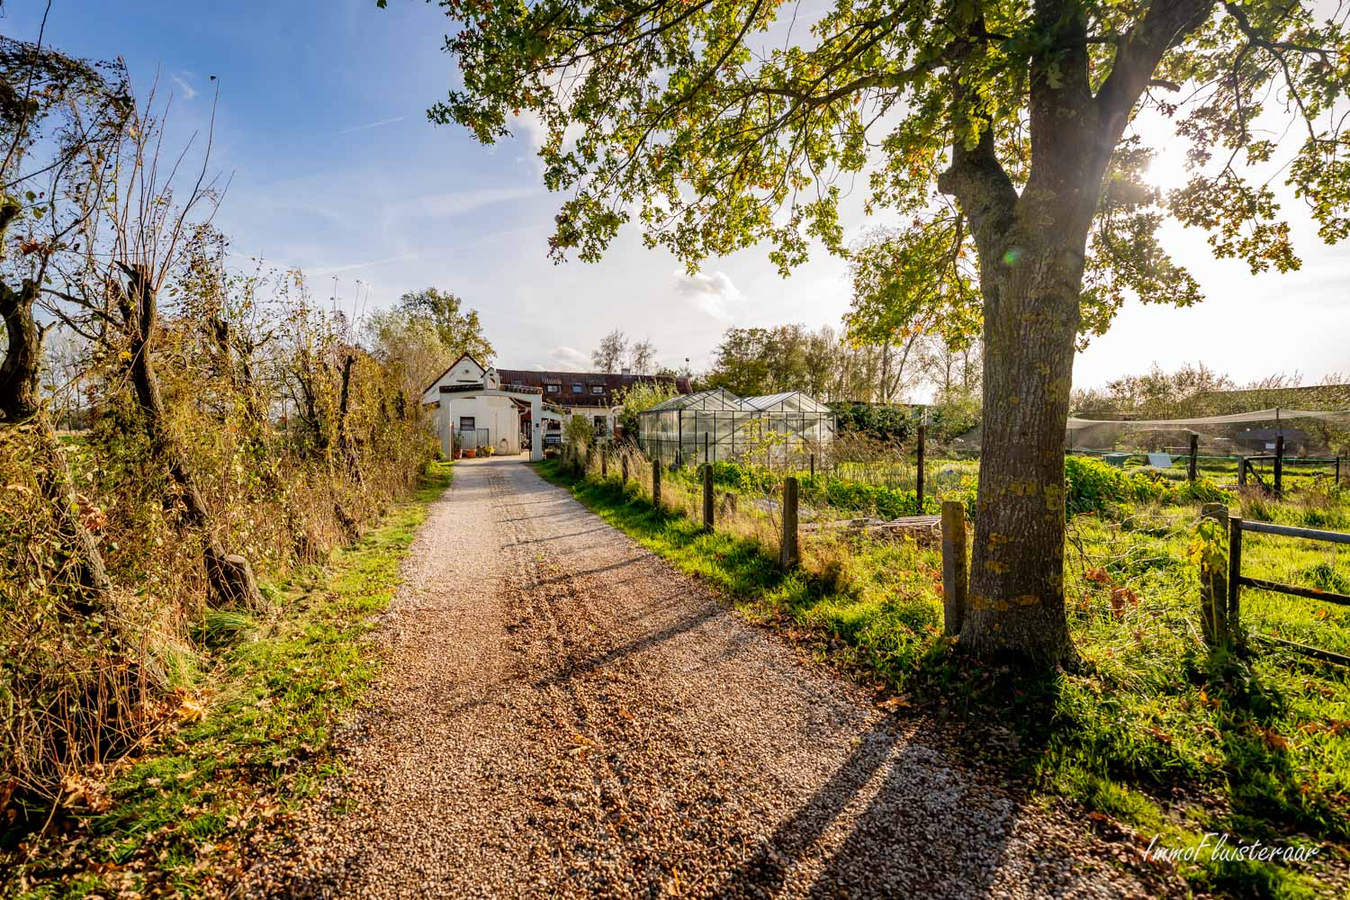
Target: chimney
[(626, 371)]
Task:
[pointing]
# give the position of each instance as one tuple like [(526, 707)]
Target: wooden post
[(1214, 585), (623, 469), (705, 446), (1279, 465), (918, 472), (954, 572), (1242, 471), (813, 466), (1337, 479), (707, 497), (1195, 453), (788, 554), (656, 483), (1234, 570)]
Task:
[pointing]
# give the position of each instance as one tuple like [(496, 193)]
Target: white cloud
[(333, 270), (372, 125), (714, 293), (457, 203), (189, 92), (530, 128), (570, 358)]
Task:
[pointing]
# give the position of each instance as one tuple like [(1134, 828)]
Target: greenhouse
[(718, 426)]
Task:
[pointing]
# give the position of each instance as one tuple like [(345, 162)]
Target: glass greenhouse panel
[(777, 430)]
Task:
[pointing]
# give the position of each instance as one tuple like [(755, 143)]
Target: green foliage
[(838, 493), (884, 422), (899, 292), (1094, 486), (955, 412), (579, 431), (716, 139), (642, 396), (459, 332)]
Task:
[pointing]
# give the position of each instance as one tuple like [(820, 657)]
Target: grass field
[(248, 739), (1152, 729)]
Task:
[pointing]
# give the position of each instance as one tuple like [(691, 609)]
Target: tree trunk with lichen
[(229, 576), (1031, 250), (1016, 598)]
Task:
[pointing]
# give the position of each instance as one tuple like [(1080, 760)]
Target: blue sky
[(321, 127)]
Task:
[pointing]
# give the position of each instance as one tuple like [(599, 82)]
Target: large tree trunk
[(1031, 255), (229, 575), (1016, 601)]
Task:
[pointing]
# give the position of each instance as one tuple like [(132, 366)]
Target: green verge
[(1151, 732), (253, 737)]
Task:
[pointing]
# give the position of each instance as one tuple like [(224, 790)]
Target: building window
[(553, 388), (466, 423), (601, 425), (576, 388), (597, 389)]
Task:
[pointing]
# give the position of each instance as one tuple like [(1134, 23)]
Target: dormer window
[(553, 388), (576, 388), (597, 389)]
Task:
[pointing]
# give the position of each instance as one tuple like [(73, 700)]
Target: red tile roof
[(612, 385)]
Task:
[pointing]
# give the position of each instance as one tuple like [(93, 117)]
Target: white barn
[(471, 404)]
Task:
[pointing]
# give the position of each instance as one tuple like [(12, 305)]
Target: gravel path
[(563, 714)]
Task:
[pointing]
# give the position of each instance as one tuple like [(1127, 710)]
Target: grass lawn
[(250, 739), (1151, 730)]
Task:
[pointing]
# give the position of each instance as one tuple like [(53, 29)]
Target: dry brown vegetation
[(228, 431)]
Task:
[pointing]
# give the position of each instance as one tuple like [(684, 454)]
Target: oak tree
[(1012, 135)]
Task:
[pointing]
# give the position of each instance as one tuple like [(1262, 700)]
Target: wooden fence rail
[(1237, 581)]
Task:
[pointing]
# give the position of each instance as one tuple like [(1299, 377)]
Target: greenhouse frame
[(717, 426)]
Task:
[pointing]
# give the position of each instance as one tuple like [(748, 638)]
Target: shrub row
[(1092, 486)]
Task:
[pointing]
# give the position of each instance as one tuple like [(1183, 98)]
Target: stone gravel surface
[(564, 714)]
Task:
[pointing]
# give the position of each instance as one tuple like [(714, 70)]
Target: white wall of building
[(497, 414)]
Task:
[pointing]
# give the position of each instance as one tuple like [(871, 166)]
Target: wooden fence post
[(788, 554), (1279, 465), (918, 471), (1242, 471), (1214, 585), (656, 483), (707, 497), (623, 469), (813, 466), (1234, 571), (954, 572), (1195, 453)]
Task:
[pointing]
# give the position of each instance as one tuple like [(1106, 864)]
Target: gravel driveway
[(563, 714)]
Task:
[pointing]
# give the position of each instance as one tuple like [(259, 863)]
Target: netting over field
[(1310, 443), (718, 426)]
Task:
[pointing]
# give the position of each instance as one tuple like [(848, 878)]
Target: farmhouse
[(512, 409)]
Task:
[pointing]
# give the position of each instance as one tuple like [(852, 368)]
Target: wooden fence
[(1221, 596), (1220, 593)]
